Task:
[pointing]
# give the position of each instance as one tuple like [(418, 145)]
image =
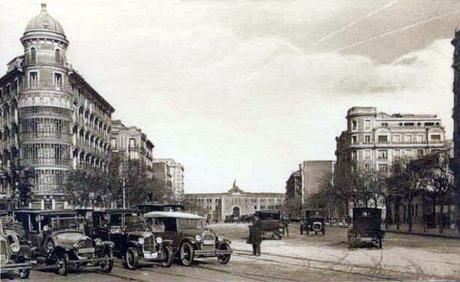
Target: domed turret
[(44, 22), (44, 26)]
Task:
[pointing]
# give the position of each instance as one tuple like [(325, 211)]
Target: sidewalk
[(417, 229)]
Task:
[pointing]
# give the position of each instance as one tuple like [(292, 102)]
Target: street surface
[(302, 258)]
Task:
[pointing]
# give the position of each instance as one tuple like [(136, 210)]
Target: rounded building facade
[(45, 108)]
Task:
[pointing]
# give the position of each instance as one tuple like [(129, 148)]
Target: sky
[(247, 90)]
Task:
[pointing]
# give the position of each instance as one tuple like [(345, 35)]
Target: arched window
[(33, 55), (58, 56)]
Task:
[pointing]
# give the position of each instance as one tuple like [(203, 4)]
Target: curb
[(457, 237)]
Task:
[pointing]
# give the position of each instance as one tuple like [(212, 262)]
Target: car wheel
[(224, 259), (380, 243), (301, 230), (168, 255), (62, 261), (323, 232), (131, 258), (107, 265), (187, 253)]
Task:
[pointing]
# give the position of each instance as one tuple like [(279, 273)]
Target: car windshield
[(135, 223), (65, 223), (269, 216)]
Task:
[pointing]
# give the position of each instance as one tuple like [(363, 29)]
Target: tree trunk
[(409, 214), (433, 214), (397, 211), (441, 221)]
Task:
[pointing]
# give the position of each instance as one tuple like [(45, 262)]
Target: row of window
[(58, 81), (397, 138), (59, 59), (367, 124), (383, 154)]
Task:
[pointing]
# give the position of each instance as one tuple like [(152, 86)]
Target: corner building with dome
[(52, 120)]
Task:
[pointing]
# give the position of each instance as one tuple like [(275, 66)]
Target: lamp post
[(124, 192)]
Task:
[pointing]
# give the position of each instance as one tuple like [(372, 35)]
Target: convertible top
[(173, 215)]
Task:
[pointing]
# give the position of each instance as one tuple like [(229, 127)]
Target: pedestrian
[(285, 225), (255, 236)]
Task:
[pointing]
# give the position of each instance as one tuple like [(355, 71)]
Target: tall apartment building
[(52, 119), (373, 139), (456, 117), (132, 143), (170, 175), (302, 184)]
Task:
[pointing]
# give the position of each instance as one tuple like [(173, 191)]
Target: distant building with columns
[(234, 202)]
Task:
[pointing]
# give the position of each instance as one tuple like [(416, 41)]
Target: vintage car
[(270, 223), (14, 256), (191, 239), (366, 227), (59, 241), (135, 241), (313, 222)]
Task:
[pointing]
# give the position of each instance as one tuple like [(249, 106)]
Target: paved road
[(301, 258)]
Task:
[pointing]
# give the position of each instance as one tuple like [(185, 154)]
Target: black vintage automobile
[(313, 222), (59, 242), (191, 239), (14, 256), (366, 227), (270, 223), (136, 241)]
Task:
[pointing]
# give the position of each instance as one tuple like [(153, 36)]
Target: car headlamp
[(198, 237), (14, 247), (75, 245), (280, 230), (220, 239), (159, 240), (140, 241), (98, 241), (50, 245)]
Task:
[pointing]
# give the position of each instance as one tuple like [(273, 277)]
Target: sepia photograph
[(229, 140)]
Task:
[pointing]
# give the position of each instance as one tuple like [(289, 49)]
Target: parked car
[(135, 241), (190, 237), (14, 256), (59, 242), (271, 225), (313, 222), (366, 227)]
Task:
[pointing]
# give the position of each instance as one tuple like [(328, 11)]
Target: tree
[(88, 186), (439, 182)]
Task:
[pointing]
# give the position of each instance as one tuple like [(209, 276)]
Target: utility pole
[(124, 192)]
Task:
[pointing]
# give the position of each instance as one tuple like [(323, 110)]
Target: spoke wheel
[(224, 259), (62, 261), (131, 258), (168, 256), (187, 253), (107, 265)]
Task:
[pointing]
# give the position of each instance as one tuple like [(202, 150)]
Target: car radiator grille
[(3, 250), (87, 243), (208, 242), (149, 244)]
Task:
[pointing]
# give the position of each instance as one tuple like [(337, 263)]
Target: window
[(407, 138), (353, 156), (58, 80), (383, 154), (382, 138), (384, 124), (396, 138), (420, 138), (367, 124), (58, 56), (397, 153), (367, 167), (367, 154), (354, 125), (383, 167), (132, 143), (420, 152), (354, 139), (436, 137), (33, 79), (33, 55), (367, 139)]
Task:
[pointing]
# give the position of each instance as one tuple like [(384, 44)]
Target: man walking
[(285, 225), (255, 236)]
